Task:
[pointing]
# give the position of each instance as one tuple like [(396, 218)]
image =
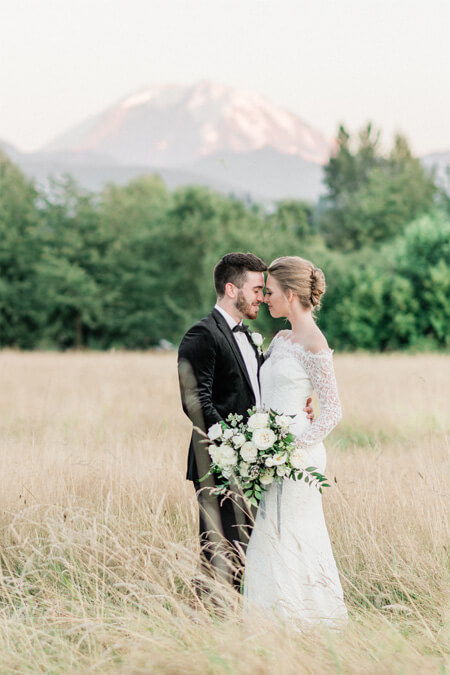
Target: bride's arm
[(320, 369)]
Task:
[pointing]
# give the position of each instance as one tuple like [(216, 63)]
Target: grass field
[(98, 525)]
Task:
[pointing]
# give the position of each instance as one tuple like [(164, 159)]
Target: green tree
[(423, 258), (133, 221), (136, 206), (394, 296), (293, 217), (371, 198), (347, 170), (69, 281), (20, 318)]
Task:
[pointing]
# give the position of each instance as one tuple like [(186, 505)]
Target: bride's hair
[(301, 277)]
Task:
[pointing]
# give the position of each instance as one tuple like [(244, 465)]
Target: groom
[(218, 366)]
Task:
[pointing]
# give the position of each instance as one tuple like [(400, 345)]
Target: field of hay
[(98, 525)]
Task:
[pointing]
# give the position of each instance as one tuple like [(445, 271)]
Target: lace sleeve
[(321, 373)]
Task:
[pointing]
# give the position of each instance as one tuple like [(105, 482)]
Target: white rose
[(279, 459), (283, 421), (215, 431), (299, 458), (227, 433), (243, 469), (263, 438), (212, 449), (269, 461), (226, 456), (258, 421), (267, 477), (257, 339), (238, 440), (283, 470), (216, 455), (249, 452)]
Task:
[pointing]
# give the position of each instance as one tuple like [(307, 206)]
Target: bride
[(290, 569)]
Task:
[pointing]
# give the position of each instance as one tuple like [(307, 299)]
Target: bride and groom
[(289, 565)]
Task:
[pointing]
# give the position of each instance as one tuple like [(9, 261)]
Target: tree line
[(133, 264)]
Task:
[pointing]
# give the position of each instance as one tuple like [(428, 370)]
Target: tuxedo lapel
[(225, 329)]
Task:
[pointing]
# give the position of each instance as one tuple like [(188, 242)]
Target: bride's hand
[(309, 411)]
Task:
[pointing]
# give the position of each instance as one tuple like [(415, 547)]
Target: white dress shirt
[(248, 354)]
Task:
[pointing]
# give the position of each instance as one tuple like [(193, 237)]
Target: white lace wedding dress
[(290, 569)]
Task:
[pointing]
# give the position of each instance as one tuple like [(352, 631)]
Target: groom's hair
[(233, 267)]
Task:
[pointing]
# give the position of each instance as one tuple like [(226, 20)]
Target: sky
[(329, 61)]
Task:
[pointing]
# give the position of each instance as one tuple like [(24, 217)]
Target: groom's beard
[(246, 308)]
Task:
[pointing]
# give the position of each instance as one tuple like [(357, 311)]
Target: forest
[(132, 265)]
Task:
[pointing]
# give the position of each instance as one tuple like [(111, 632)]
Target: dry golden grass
[(99, 526)]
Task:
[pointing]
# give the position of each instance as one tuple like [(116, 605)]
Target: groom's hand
[(309, 411)]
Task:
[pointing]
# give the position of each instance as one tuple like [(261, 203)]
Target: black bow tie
[(241, 328)]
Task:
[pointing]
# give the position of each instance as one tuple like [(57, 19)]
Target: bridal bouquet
[(258, 452)]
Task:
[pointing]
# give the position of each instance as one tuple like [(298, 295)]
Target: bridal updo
[(301, 277)]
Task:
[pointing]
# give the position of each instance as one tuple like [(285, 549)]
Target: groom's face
[(250, 295)]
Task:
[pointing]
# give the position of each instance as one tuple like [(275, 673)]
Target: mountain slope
[(264, 172)]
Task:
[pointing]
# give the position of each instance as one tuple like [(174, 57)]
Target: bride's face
[(275, 298)]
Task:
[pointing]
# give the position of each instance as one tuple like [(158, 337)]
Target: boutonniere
[(257, 340)]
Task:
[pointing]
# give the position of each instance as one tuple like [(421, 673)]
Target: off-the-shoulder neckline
[(320, 352)]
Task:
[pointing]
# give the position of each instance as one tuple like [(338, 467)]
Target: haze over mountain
[(171, 125), (440, 162)]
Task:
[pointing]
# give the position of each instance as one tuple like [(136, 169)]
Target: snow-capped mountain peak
[(173, 124)]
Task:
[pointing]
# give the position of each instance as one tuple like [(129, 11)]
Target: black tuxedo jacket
[(214, 382)]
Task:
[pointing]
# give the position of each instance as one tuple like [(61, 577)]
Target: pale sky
[(326, 60)]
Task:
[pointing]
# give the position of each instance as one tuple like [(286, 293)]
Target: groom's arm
[(197, 358)]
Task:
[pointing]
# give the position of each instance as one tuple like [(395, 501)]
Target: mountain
[(175, 125), (232, 140)]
